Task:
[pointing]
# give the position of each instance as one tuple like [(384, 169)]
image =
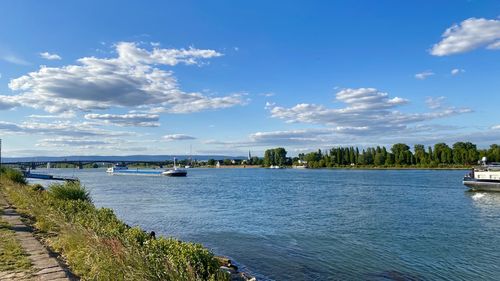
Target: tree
[(420, 155), (275, 156), (443, 153), (379, 159), (401, 153), (465, 153)]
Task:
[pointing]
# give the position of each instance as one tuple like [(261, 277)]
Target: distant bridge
[(34, 164)]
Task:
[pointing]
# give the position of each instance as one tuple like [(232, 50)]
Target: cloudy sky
[(225, 77)]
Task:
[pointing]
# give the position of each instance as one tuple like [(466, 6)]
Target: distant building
[(249, 155)]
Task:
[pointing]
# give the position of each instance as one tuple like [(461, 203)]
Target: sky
[(226, 77)]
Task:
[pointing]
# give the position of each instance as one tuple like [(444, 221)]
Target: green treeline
[(400, 155)]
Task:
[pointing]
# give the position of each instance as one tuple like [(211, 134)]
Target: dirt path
[(45, 265)]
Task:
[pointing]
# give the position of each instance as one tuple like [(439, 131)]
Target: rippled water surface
[(318, 224)]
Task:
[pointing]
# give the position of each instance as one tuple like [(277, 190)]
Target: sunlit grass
[(99, 246)]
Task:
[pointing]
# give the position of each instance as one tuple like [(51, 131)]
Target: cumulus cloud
[(178, 137), (470, 34), (132, 79), (368, 111), (136, 120), (456, 71), (424, 75), (49, 56), (496, 127)]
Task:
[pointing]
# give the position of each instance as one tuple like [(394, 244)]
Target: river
[(318, 224)]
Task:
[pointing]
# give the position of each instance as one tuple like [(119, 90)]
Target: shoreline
[(77, 226), (290, 167)]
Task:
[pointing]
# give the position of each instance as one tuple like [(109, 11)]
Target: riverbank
[(96, 245)]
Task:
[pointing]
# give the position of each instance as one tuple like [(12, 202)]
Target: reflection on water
[(319, 224), (488, 205)]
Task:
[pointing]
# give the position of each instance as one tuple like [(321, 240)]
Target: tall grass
[(69, 191), (98, 246), (13, 175)]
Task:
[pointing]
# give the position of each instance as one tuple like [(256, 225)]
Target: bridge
[(79, 164)]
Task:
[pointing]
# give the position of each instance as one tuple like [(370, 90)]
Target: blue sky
[(225, 77)]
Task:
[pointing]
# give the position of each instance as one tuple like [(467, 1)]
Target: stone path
[(44, 263)]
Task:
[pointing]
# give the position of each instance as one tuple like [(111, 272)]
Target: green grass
[(13, 175), (69, 191), (99, 246), (12, 255)]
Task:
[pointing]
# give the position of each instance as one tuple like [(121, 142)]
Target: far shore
[(321, 168)]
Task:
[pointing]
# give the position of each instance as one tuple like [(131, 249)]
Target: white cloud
[(60, 128), (435, 103), (137, 120), (424, 75), (68, 141), (132, 79), (178, 137), (7, 103), (49, 56), (496, 127), (456, 71), (368, 112), (64, 115), (470, 34), (14, 59)]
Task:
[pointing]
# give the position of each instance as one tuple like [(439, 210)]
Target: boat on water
[(117, 168), (275, 167), (485, 177), (175, 172)]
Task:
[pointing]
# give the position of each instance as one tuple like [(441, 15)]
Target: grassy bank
[(97, 245)]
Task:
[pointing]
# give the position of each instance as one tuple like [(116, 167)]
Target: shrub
[(14, 175), (37, 187), (69, 191)]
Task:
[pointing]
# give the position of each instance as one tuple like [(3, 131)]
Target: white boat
[(484, 178), (275, 167), (116, 168), (175, 172)]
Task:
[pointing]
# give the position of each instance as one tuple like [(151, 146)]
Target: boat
[(275, 167), (484, 178), (175, 172), (117, 168)]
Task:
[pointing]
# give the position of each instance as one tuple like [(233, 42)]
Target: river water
[(318, 224)]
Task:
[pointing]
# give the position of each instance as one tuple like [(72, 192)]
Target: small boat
[(275, 167), (175, 172), (117, 168), (484, 178)]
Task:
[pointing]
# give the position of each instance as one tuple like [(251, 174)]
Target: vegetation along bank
[(95, 244)]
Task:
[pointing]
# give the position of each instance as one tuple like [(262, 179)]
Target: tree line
[(399, 155)]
